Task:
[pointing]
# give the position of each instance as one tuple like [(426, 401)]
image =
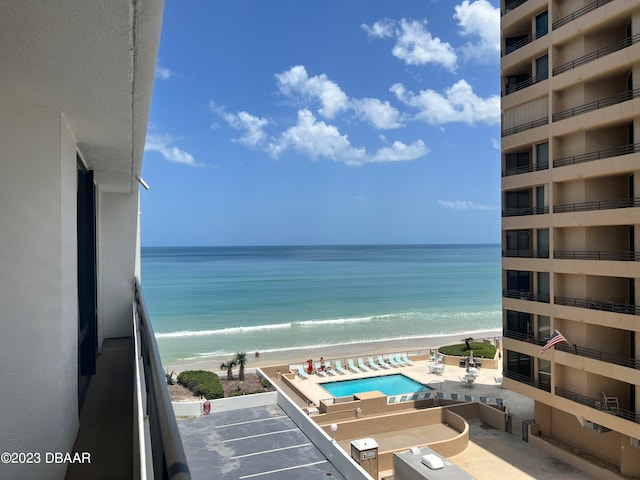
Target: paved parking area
[(259, 443)]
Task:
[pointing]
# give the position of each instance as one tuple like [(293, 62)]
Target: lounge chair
[(301, 373), (498, 381), (382, 362), (484, 400), (319, 372), (373, 364), (441, 395), (455, 396), (328, 368), (469, 398), (362, 366), (339, 368), (352, 366), (399, 360), (392, 361), (406, 360)]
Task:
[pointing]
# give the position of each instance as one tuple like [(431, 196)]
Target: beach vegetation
[(228, 366), (480, 349), (169, 377), (241, 360), (202, 383)]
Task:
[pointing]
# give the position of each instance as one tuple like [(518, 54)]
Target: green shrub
[(480, 350), (202, 382)]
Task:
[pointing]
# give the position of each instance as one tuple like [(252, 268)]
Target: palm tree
[(241, 360), (228, 366)]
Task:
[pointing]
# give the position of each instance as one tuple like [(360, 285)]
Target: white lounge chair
[(352, 366), (319, 372), (328, 368), (406, 360), (339, 368), (455, 396), (399, 360), (373, 364), (362, 366), (301, 373), (382, 362), (392, 361), (469, 398)]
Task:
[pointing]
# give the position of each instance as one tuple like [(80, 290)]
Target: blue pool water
[(388, 384)]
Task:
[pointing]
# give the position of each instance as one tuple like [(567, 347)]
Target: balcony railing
[(591, 156), (512, 5), (597, 404), (579, 13), (576, 350), (525, 41), (523, 84), (169, 459), (525, 126), (595, 255), (597, 105), (529, 296), (598, 205), (532, 382), (517, 212), (603, 52), (526, 253), (532, 167), (604, 305)]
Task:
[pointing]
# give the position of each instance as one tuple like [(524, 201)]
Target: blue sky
[(334, 122)]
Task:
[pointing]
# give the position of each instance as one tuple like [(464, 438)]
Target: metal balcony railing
[(576, 350), (578, 13), (532, 167), (169, 459), (597, 205), (512, 6), (603, 305), (523, 84), (525, 126), (529, 296), (525, 41), (603, 52), (516, 212), (526, 253), (532, 382), (591, 156), (595, 255), (597, 104), (597, 404)]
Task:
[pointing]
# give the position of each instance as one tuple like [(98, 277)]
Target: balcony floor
[(106, 420)]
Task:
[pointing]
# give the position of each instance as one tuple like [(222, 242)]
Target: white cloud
[(163, 73), (479, 18), (379, 114), (316, 139), (163, 145), (464, 205), (495, 143), (458, 104), (254, 135), (296, 82), (414, 45), (380, 29)]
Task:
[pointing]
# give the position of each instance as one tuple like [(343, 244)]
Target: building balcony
[(510, 5), (601, 154), (517, 212), (522, 40), (127, 421), (603, 52), (578, 13), (576, 350), (527, 295), (525, 253), (596, 255), (597, 404), (532, 382), (525, 169), (597, 205), (523, 84), (602, 305), (525, 126), (597, 104)]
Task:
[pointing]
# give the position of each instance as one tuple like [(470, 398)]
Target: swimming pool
[(396, 384)]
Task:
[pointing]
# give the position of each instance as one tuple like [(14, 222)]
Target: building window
[(520, 324), (542, 68), (543, 287), (542, 246), (542, 156), (542, 24), (544, 372), (519, 364), (518, 243), (544, 328)]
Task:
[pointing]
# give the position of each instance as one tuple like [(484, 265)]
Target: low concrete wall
[(455, 445), (194, 409)]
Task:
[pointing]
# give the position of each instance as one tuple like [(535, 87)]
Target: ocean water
[(212, 301)]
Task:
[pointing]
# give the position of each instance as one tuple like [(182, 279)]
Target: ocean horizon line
[(327, 245)]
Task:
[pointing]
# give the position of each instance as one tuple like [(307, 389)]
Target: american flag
[(553, 340)]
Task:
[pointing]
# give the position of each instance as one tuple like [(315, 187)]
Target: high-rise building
[(571, 220)]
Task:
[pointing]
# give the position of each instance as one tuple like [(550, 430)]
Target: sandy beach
[(299, 355)]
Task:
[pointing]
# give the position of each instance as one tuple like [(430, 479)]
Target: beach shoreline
[(341, 351)]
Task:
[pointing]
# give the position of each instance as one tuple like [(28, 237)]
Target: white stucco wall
[(117, 237), (38, 278)]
